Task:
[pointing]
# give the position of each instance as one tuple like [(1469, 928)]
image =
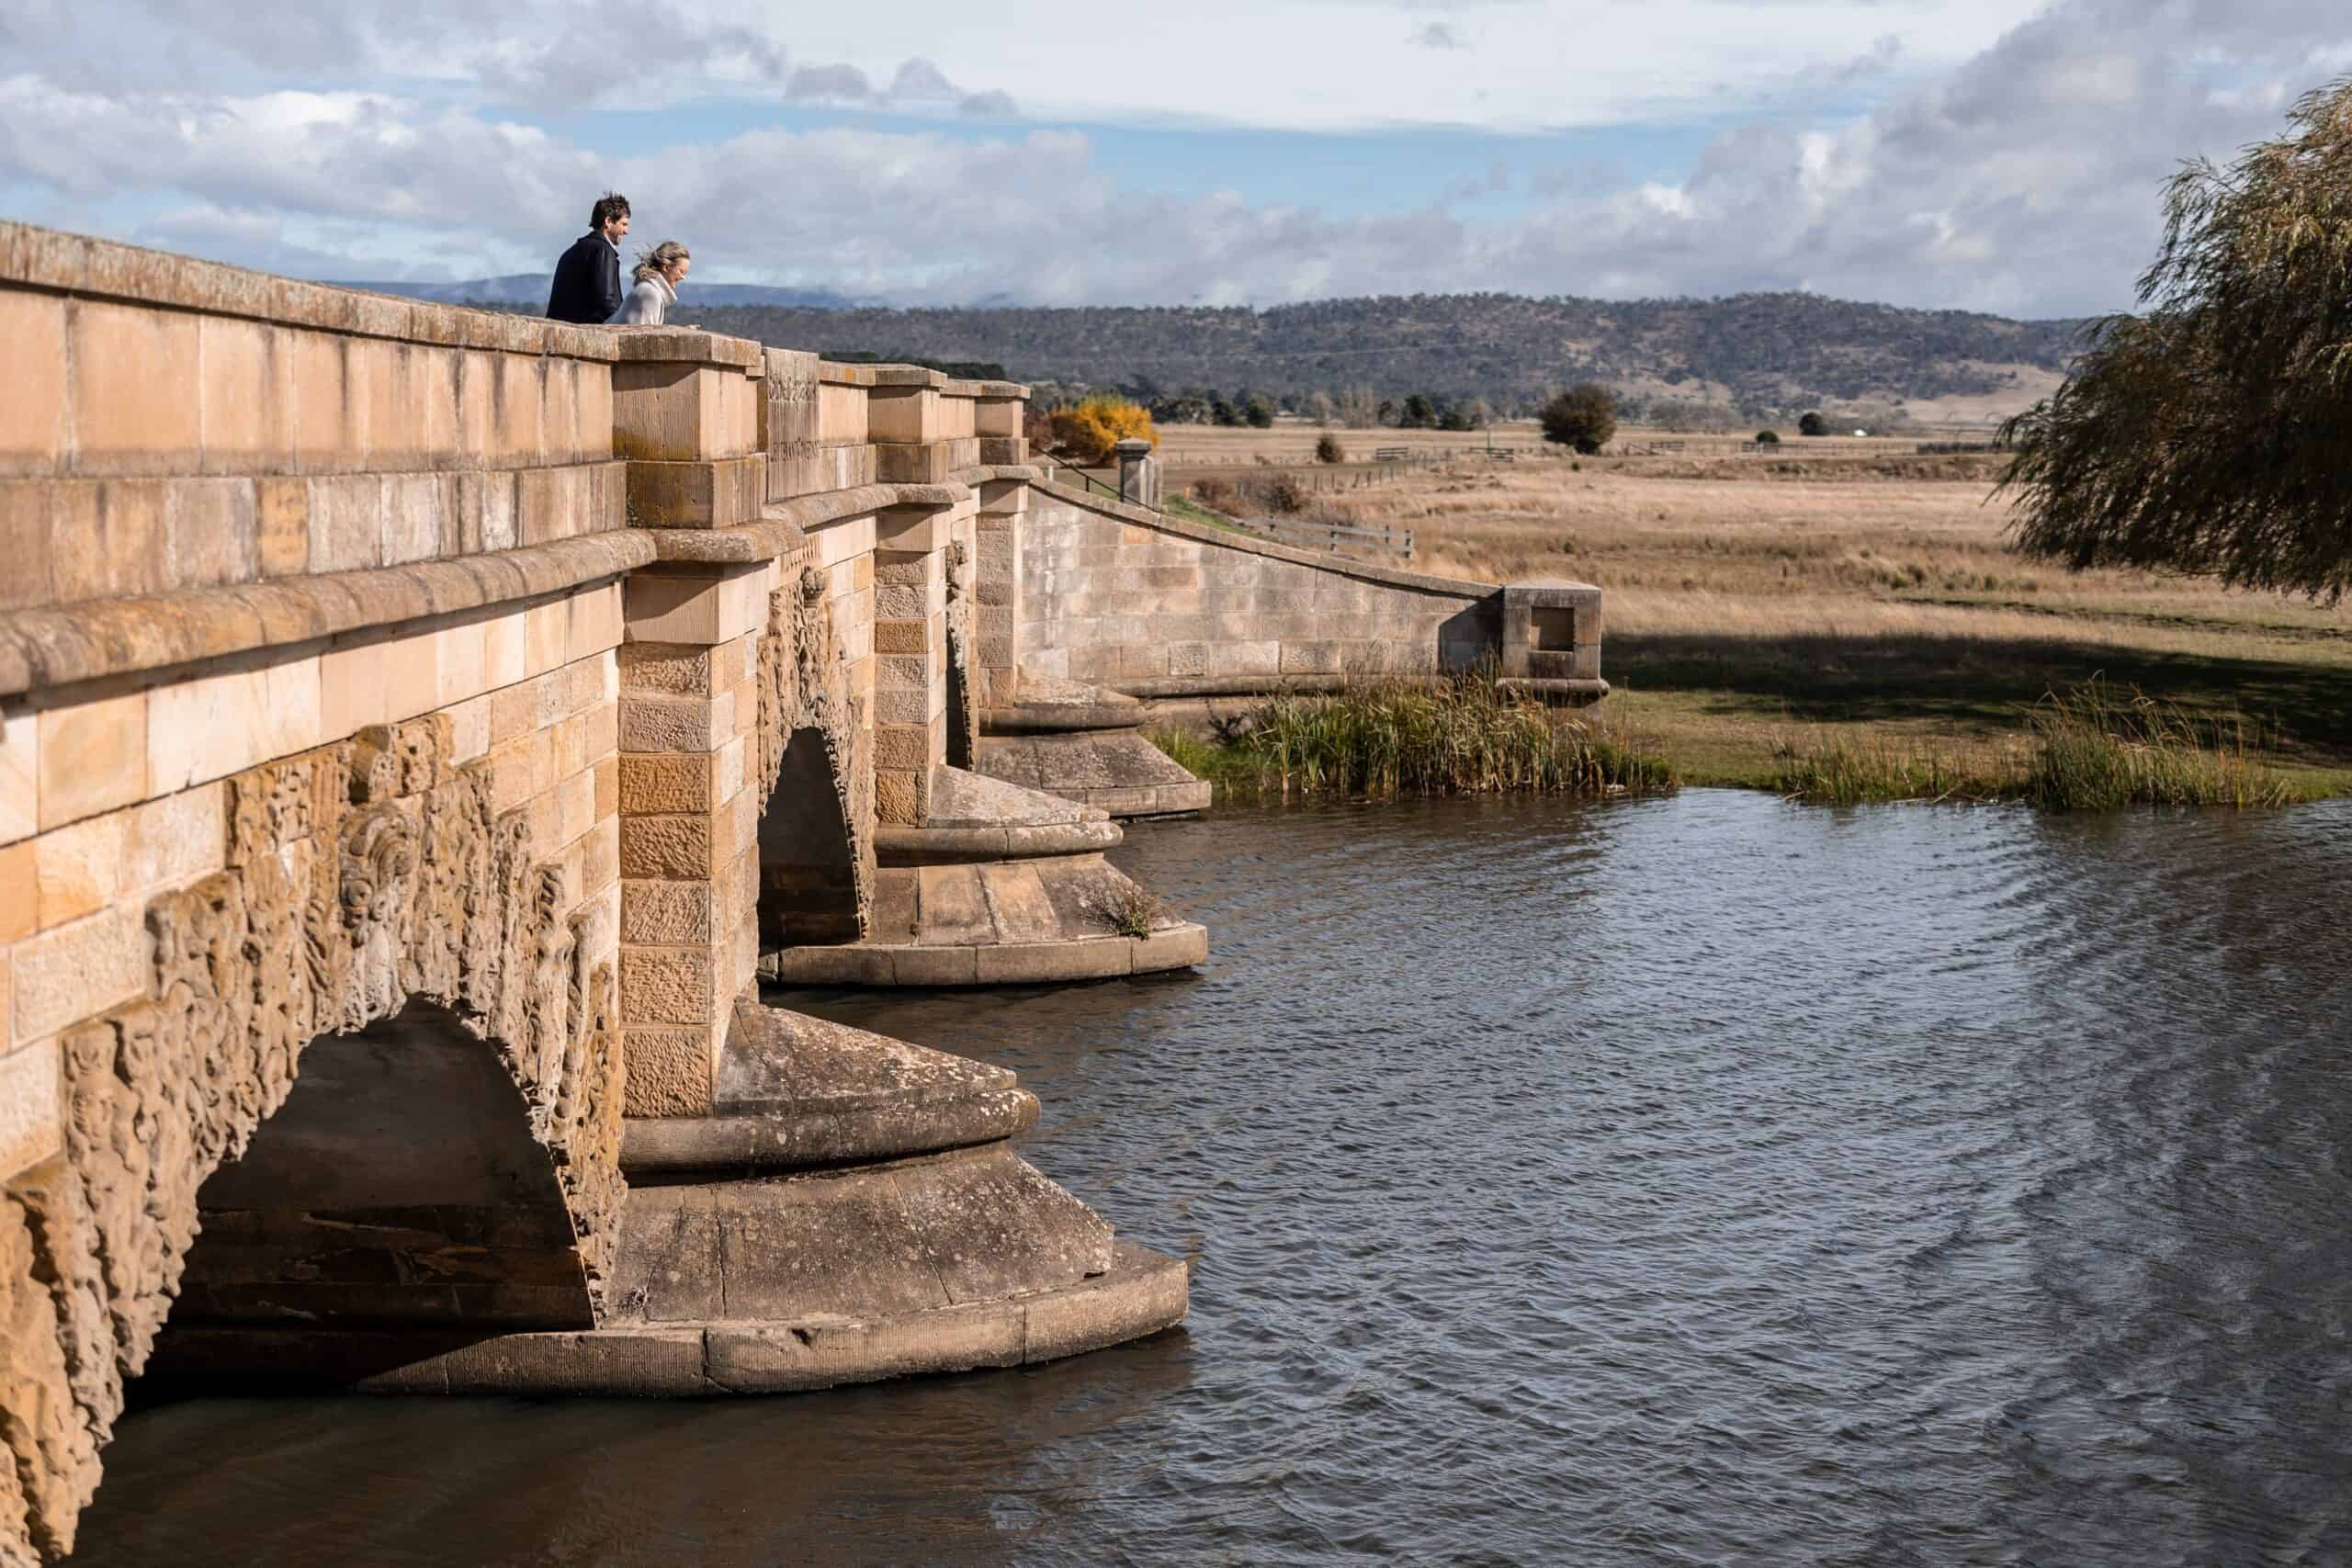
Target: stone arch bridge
[(420, 729)]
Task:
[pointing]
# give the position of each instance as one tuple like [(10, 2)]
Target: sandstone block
[(900, 796), (666, 914), (77, 971), (903, 414), (575, 807), (673, 849), (28, 527), (78, 869), (667, 985), (668, 410), (419, 517), (247, 415), (461, 659), (20, 893), (468, 729), (668, 1071), (376, 681), (92, 757), (136, 390), (346, 522), (524, 768), (701, 609), (106, 538), (655, 783), (595, 621), (282, 527), (33, 397), (32, 1125), (547, 637), (329, 413), (216, 725), (19, 778), (515, 408), (559, 411), (677, 724), (594, 393)]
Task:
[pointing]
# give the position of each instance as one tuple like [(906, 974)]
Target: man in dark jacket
[(588, 276)]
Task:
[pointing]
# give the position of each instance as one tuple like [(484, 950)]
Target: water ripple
[(1694, 1181)]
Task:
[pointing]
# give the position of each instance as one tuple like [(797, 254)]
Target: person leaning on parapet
[(587, 286), (659, 272)]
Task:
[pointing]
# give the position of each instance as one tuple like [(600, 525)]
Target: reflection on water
[(1708, 1180)]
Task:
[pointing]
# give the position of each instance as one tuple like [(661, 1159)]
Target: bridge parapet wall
[(1156, 606), (171, 424)]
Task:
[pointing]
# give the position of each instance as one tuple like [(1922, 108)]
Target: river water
[(1709, 1179)]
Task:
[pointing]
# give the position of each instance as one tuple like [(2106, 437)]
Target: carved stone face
[(378, 865)]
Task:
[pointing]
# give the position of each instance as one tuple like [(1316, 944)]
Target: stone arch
[(816, 781), (401, 1184), (963, 699), (358, 877)]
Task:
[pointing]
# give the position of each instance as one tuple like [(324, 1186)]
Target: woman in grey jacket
[(659, 272)]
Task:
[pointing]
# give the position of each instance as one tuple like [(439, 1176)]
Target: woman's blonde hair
[(661, 258)]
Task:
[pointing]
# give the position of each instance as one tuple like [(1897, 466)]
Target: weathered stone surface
[(353, 878), (1117, 771)]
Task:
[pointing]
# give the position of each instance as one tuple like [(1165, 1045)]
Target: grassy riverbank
[(1865, 607), (1463, 735)]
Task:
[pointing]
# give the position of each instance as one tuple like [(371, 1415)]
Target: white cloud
[(2019, 174)]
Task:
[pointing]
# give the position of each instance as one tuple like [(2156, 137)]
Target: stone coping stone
[(85, 265), (897, 846), (1201, 532), (1142, 1293), (1118, 772), (960, 798), (687, 345), (66, 644), (1182, 945), (784, 525), (798, 1139), (841, 374), (1048, 704)]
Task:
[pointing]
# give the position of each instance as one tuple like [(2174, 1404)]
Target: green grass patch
[(1193, 512), (1459, 735), (2095, 747)]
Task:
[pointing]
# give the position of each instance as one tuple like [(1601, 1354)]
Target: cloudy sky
[(1988, 154)]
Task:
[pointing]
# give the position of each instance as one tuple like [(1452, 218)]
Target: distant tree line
[(1739, 360)]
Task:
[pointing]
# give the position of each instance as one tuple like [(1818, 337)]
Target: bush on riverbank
[(1458, 735), (2092, 749)]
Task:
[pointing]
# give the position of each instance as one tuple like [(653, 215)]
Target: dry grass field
[(1841, 591)]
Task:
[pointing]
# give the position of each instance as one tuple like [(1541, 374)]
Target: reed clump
[(2092, 748), (1845, 772), (2098, 749), (1464, 734)]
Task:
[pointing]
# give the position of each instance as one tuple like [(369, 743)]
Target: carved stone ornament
[(963, 699), (805, 699), (358, 877)]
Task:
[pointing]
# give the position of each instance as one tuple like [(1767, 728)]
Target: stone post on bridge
[(1138, 473), (921, 437), (686, 412)]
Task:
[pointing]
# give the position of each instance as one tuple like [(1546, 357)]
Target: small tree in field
[(1768, 438), (1582, 418), (1812, 425), (1087, 431), (2214, 433), (1328, 450)]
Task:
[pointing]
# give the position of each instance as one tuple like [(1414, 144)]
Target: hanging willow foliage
[(2213, 433)]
